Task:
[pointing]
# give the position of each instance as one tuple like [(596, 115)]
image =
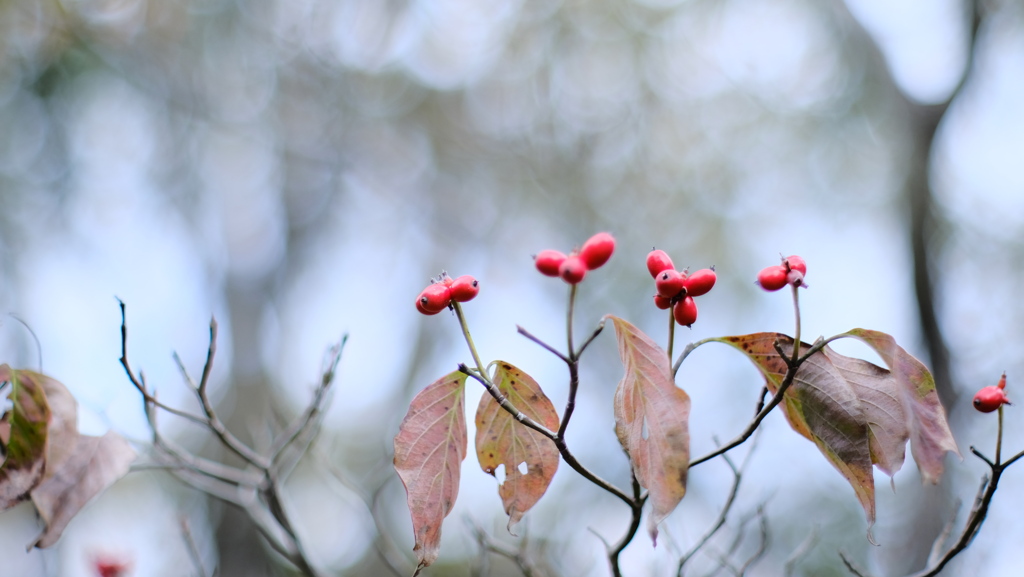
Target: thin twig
[(720, 521), (190, 543), (517, 556), (802, 550), (543, 344)]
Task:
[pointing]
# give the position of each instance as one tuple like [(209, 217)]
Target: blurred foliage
[(288, 144)]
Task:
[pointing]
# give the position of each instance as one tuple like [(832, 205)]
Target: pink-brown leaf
[(821, 406), (429, 449), (652, 421), (501, 440), (95, 465), (914, 387)]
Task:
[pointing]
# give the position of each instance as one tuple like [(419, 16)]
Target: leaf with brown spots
[(652, 421), (858, 413), (503, 441), (821, 406), (429, 449), (28, 419)]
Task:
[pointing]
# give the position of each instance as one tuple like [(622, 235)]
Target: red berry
[(795, 278), (700, 282), (670, 283), (657, 261), (662, 302), (548, 261), (434, 299), (685, 311), (772, 278), (597, 250), (572, 270), (796, 263), (990, 398), (1002, 381), (465, 288)]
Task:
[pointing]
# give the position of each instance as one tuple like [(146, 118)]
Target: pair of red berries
[(572, 268), (440, 293), (991, 398), (676, 289), (790, 272)]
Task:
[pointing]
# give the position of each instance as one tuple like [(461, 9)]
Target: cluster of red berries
[(676, 289), (790, 272), (991, 398), (572, 268), (440, 293)]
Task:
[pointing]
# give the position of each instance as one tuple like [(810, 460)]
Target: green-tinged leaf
[(820, 405), (502, 440), (429, 449), (28, 418), (95, 465), (914, 388), (652, 421)]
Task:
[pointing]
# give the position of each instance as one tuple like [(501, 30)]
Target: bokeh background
[(300, 168)]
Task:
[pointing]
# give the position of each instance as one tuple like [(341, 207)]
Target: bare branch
[(802, 550)]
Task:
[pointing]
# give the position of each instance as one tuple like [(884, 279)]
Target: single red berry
[(662, 302), (434, 299), (110, 567), (465, 288), (670, 283), (572, 270), (772, 278), (990, 398), (700, 282), (657, 261), (548, 261), (795, 262), (685, 311), (795, 278), (597, 250), (1002, 381)]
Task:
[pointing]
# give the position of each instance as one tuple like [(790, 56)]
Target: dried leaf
[(94, 466), (930, 437), (429, 449), (26, 451), (62, 431), (858, 413), (502, 440), (821, 406), (652, 421)]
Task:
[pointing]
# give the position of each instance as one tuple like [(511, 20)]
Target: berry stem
[(796, 334), (671, 332), (469, 339), (999, 438), (568, 320)]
